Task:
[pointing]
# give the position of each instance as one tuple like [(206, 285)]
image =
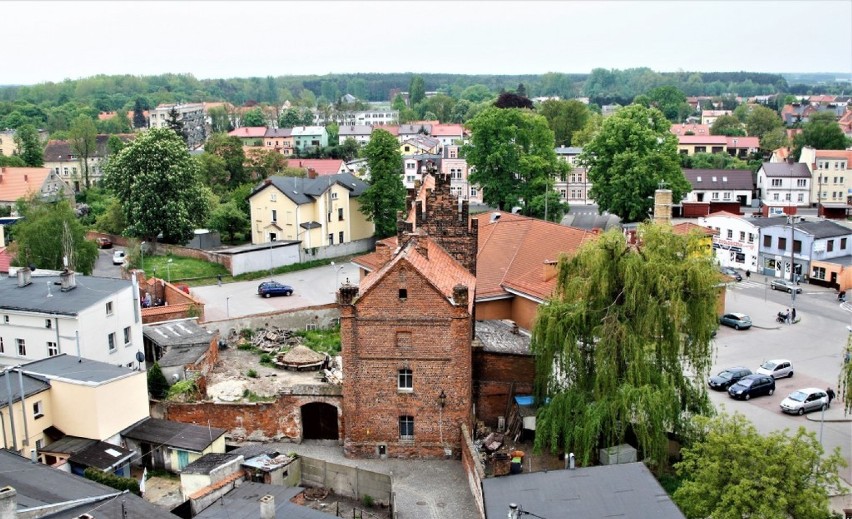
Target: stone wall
[(496, 378), (322, 316)]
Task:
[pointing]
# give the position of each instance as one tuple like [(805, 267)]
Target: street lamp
[(142, 256), (169, 269), (227, 307), (337, 275)]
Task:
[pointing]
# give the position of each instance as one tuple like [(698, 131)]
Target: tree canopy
[(821, 132), (565, 118), (83, 136), (386, 193), (761, 120), (732, 471), (727, 125), (671, 101), (159, 188), (627, 160), (29, 147), (253, 117), (416, 90), (49, 233), (230, 150), (612, 343), (511, 152)]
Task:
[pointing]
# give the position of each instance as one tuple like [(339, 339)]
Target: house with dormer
[(717, 190), (319, 212), (43, 183)]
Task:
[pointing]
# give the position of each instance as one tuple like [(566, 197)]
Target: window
[(730, 234), (48, 323), (405, 381), (750, 237), (801, 197), (406, 427), (403, 293), (797, 246), (473, 192), (111, 341), (331, 238), (127, 336), (333, 195), (742, 236), (274, 215), (819, 273), (22, 347), (802, 182), (782, 243), (38, 409), (340, 237), (2, 346), (843, 243), (726, 195), (340, 215), (829, 247), (776, 182), (787, 197), (715, 195), (6, 319), (52, 349), (109, 308)]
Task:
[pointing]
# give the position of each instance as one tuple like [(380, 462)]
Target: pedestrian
[(748, 274), (219, 279), (793, 315), (830, 393), (787, 316)]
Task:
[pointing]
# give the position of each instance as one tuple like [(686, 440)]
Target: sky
[(74, 39)]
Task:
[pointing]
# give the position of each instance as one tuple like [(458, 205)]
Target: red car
[(104, 243)]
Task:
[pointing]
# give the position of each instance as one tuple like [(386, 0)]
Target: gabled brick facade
[(413, 316)]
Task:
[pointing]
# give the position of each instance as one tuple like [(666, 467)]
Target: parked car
[(728, 271), (274, 288), (728, 377), (118, 257), (787, 286), (737, 321), (104, 243), (804, 401), (776, 368), (752, 385)]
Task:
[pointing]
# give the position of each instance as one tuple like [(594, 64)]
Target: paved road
[(815, 346), (104, 267), (316, 286)]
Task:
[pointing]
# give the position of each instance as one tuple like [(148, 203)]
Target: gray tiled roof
[(101, 455), (177, 435), (76, 368), (781, 169), (278, 132), (739, 179), (409, 129), (823, 229), (207, 463), (497, 337), (355, 129), (767, 222), (244, 503), (90, 290), (184, 331), (32, 386), (625, 490), (306, 190)]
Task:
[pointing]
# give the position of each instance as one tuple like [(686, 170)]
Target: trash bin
[(516, 466)]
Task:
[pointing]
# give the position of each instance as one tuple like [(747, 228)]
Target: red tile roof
[(513, 251), (321, 166), (688, 227), (697, 129), (744, 142), (835, 154), (393, 130), (5, 259), (447, 130), (249, 132), (17, 183), (702, 139)]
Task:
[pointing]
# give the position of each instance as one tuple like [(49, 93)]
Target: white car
[(118, 257), (805, 400), (777, 368)]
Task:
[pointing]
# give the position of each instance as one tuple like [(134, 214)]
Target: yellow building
[(319, 212), (8, 146)]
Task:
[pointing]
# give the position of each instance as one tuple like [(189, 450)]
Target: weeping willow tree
[(613, 344)]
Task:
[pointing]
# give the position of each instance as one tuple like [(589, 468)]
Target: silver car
[(777, 368), (804, 401)]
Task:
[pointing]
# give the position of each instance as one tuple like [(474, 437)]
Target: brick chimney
[(421, 245), (347, 294), (460, 295), (384, 253), (550, 270), (312, 173)]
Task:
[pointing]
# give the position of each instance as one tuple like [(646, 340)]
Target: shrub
[(183, 388), (158, 386), (367, 500), (252, 373), (111, 480)]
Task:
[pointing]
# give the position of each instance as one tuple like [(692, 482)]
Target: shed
[(171, 446)]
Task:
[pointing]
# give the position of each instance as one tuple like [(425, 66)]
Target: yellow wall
[(690, 148), (35, 426), (109, 408), (497, 309), (361, 227), (8, 146)]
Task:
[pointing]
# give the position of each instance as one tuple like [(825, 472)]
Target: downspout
[(11, 414), (25, 441)]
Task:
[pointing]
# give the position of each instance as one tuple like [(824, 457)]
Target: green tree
[(114, 145), (159, 188), (772, 476), (158, 386), (290, 118), (564, 118), (230, 149), (112, 220), (461, 111), (349, 149), (761, 120), (230, 220), (416, 90), (774, 139), (175, 124), (477, 93), (441, 105), (712, 161), (139, 119), (333, 130), (254, 117), (398, 103), (84, 143), (213, 171), (386, 193), (12, 162), (48, 233), (119, 123), (263, 163), (629, 158), (512, 154), (220, 121), (671, 101), (612, 345), (821, 132), (29, 146), (585, 135), (727, 125)]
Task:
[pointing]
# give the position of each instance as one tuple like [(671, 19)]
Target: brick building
[(406, 333)]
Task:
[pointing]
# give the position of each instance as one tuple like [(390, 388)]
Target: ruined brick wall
[(448, 223), (493, 378), (474, 470), (277, 420), (424, 333)]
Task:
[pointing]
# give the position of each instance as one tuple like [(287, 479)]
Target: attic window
[(714, 179), (403, 293), (724, 179), (698, 179)]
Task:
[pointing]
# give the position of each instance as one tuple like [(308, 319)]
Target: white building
[(360, 132), (738, 242), (719, 186), (781, 184), (91, 317)]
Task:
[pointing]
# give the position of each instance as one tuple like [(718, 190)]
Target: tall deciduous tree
[(49, 233), (290, 118), (512, 100), (159, 188), (612, 344), (29, 146), (820, 132), (761, 120), (230, 149), (772, 476), (629, 158), (727, 125), (139, 119), (671, 101), (220, 120), (416, 90), (564, 117), (512, 155), (84, 137), (386, 193), (254, 117), (230, 220)]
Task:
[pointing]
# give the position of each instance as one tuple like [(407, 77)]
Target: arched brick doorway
[(319, 421)]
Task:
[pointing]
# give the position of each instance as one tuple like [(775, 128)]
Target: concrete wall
[(338, 249), (324, 316), (346, 480), (264, 259)]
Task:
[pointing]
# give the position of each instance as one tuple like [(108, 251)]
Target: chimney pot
[(267, 507)]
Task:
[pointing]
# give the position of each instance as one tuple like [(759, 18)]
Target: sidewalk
[(835, 413)]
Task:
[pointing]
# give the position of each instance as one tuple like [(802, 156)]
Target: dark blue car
[(274, 288)]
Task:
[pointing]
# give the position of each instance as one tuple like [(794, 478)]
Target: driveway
[(311, 287), (104, 267)]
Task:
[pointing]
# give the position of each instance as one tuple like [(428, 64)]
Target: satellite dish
[(140, 357)]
